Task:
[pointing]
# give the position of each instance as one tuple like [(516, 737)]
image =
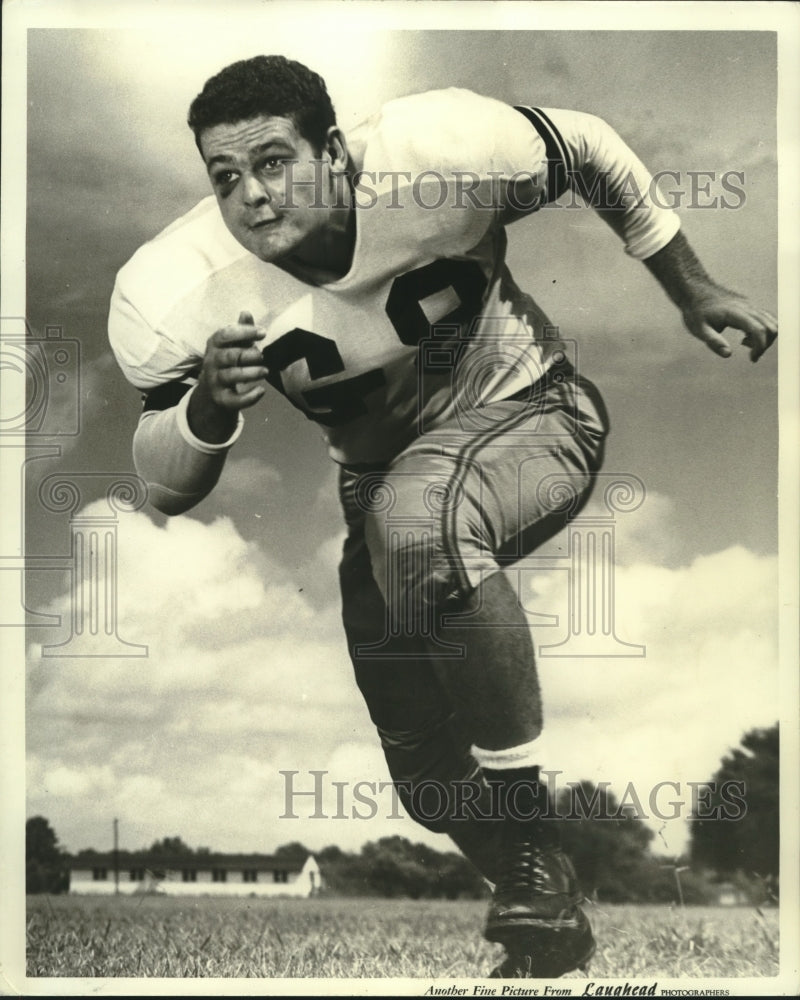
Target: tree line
[(612, 856)]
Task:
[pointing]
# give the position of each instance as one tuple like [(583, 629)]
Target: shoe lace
[(524, 864)]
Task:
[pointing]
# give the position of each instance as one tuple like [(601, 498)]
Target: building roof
[(179, 862)]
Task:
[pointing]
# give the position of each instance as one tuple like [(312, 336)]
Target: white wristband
[(191, 439), (524, 755)]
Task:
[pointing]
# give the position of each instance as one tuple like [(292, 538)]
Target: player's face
[(272, 186)]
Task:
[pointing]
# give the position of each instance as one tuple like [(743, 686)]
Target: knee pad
[(411, 568), (438, 781), (427, 535)]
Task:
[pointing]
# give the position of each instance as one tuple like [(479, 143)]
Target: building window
[(219, 875), (250, 876), (99, 874), (280, 876), (189, 875), (137, 874)]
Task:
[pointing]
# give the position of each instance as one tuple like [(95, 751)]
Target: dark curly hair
[(265, 85)]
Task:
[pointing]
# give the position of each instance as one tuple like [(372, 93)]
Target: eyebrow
[(255, 151)]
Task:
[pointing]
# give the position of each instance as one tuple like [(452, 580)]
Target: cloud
[(247, 678), (708, 673), (243, 676)]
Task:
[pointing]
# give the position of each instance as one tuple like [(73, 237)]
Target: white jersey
[(428, 318)]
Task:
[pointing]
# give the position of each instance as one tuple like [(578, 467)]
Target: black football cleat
[(548, 952), (535, 910)]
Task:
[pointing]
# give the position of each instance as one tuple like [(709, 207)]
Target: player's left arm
[(707, 307), (583, 152)]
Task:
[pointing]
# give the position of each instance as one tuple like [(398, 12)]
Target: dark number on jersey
[(334, 404), (344, 401)]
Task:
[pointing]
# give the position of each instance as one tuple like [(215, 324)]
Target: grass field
[(369, 938)]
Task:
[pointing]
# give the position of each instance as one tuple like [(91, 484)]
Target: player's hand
[(714, 309), (233, 368), (232, 378)]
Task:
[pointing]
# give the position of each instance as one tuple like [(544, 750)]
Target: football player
[(364, 278)]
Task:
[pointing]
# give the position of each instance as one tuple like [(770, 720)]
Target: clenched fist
[(232, 379)]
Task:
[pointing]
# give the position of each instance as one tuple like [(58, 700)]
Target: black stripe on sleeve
[(559, 164), (165, 396), (558, 137)]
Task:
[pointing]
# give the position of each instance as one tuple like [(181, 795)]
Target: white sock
[(524, 755)]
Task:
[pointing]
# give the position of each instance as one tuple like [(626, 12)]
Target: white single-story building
[(96, 873), (729, 894)]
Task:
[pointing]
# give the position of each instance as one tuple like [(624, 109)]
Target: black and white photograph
[(399, 549)]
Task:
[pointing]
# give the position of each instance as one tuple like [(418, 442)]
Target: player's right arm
[(189, 424), (231, 379)]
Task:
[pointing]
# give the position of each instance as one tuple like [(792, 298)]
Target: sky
[(235, 604)]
